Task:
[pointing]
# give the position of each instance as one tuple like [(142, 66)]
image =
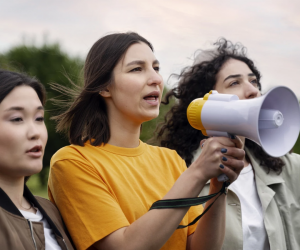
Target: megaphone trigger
[(223, 178)]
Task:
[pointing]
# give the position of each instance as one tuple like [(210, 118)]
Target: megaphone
[(271, 120)]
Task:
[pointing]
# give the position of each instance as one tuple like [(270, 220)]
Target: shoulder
[(45, 202), (71, 152), (162, 151), (292, 162), (49, 207), (166, 156)]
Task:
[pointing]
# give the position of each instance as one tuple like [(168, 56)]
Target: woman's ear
[(105, 93)]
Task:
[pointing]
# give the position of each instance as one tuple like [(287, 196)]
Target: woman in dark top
[(27, 222)]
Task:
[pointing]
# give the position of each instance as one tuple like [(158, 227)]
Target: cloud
[(269, 29)]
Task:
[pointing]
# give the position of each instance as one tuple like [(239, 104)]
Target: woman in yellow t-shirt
[(105, 182)]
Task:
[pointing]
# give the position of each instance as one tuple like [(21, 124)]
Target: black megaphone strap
[(188, 202)]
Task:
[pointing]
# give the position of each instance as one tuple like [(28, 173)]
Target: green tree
[(49, 64)]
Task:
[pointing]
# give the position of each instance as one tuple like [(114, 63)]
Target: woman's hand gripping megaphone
[(220, 155)]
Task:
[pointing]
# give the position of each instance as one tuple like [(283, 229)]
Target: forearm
[(210, 230), (152, 230)]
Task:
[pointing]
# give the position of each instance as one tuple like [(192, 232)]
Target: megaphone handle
[(222, 177)]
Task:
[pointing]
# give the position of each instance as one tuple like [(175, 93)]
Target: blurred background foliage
[(50, 64)]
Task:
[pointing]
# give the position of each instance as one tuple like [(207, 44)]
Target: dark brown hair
[(86, 117), (194, 82), (9, 80)]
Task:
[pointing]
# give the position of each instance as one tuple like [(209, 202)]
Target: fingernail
[(232, 136), (222, 166), (223, 150), (224, 158)]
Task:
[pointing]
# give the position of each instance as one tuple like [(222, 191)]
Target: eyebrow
[(21, 108), (140, 62), (237, 76)]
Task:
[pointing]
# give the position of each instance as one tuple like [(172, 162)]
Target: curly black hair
[(194, 82)]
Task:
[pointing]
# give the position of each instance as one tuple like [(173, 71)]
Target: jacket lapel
[(263, 181)]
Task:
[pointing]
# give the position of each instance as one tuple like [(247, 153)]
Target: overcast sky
[(270, 29)]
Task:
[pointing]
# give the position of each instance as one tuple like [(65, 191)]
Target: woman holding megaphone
[(263, 206), (106, 181)]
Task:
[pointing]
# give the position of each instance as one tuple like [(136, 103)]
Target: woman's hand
[(220, 155)]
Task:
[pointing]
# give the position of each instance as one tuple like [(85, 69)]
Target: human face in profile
[(235, 77), (23, 134), (137, 86)]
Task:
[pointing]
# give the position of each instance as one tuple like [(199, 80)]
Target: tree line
[(50, 64)]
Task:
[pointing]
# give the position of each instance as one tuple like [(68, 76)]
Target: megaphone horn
[(271, 120)]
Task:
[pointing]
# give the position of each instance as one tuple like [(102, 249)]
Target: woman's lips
[(35, 152), (152, 100)]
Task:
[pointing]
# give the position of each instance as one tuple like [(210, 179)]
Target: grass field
[(36, 188)]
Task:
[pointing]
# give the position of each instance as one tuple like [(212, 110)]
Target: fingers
[(232, 163), (232, 174), (229, 147), (236, 153), (237, 141), (202, 143), (220, 155), (232, 167)]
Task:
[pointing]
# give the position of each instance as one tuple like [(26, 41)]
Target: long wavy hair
[(194, 82)]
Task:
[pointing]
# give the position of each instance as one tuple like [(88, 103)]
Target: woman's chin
[(151, 115), (32, 169)]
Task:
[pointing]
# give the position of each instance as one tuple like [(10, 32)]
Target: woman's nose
[(251, 91), (155, 78), (33, 132)]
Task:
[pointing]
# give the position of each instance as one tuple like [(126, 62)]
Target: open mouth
[(35, 149), (152, 97)]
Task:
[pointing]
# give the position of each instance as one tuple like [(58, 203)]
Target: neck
[(14, 188), (124, 134), (243, 139)]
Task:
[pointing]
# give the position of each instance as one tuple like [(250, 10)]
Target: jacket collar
[(261, 172), (8, 205)]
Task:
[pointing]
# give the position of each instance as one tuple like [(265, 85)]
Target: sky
[(270, 29)]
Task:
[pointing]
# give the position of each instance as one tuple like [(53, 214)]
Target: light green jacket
[(280, 198)]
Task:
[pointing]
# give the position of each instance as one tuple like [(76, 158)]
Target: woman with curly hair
[(263, 208)]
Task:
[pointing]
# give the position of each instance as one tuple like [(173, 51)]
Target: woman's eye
[(254, 81), (40, 119), (136, 69), (156, 68), (17, 119), (234, 83)]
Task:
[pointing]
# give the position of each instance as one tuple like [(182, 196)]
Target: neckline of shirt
[(32, 216), (247, 169), (124, 151)]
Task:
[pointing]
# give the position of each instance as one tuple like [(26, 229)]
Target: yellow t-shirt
[(104, 188)]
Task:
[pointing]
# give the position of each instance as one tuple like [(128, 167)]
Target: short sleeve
[(87, 206)]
